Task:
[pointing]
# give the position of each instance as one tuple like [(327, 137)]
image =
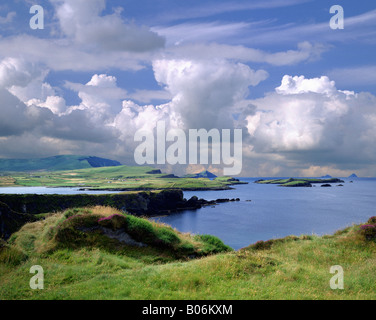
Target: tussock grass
[(83, 227), (288, 268)]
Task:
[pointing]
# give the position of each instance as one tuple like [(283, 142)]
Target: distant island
[(353, 176), (55, 163), (326, 177), (300, 182)]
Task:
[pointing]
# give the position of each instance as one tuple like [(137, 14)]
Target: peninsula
[(114, 178), (299, 182)]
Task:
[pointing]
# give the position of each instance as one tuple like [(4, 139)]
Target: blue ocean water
[(46, 190), (275, 212)]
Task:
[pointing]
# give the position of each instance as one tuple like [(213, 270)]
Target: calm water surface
[(273, 211), (276, 212), (46, 190)]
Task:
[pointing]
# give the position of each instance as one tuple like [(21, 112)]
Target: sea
[(264, 211), (50, 190), (269, 211)]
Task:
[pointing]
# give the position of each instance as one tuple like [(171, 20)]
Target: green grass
[(119, 177), (61, 162), (298, 182), (97, 268)]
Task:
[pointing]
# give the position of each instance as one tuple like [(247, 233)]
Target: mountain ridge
[(55, 163)]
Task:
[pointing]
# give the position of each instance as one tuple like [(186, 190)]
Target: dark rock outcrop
[(169, 176), (326, 185), (156, 171), (11, 221), (141, 203)]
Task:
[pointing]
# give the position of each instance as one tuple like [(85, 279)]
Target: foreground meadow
[(82, 261)]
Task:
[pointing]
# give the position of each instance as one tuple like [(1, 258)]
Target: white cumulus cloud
[(87, 27), (308, 123), (205, 93)]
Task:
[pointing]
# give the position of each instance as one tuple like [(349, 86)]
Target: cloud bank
[(304, 127)]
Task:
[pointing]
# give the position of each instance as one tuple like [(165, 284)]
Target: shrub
[(167, 237), (144, 231), (81, 220), (69, 235), (212, 244), (115, 222), (140, 229), (71, 212), (372, 220), (368, 231), (262, 245), (11, 256), (66, 232), (187, 248)]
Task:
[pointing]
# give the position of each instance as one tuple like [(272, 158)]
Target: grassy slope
[(124, 177), (53, 163), (292, 268)]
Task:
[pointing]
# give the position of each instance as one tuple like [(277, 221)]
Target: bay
[(276, 212)]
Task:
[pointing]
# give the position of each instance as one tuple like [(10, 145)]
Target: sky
[(302, 93)]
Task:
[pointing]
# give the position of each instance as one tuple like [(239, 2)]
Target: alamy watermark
[(198, 139), (37, 20), (37, 281), (337, 281), (338, 20)]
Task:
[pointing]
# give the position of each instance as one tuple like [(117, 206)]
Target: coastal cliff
[(16, 210), (11, 221)]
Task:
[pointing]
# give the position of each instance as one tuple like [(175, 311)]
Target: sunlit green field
[(120, 177)]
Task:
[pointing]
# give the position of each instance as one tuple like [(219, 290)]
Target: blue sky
[(100, 70)]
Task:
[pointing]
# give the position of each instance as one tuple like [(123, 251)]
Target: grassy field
[(119, 177), (61, 162), (89, 265)]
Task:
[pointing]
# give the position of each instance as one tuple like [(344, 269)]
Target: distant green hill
[(63, 162)]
